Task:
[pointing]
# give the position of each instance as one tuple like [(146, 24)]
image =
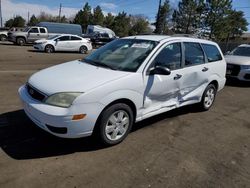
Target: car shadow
[(58, 52), (233, 82), (21, 139)]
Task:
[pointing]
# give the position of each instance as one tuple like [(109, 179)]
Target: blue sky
[(146, 7)]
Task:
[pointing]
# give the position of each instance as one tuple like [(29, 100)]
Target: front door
[(62, 43), (162, 91)]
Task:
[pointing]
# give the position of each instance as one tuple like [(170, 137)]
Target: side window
[(170, 56), (193, 54), (212, 52), (64, 38), (34, 30), (42, 30), (75, 38)]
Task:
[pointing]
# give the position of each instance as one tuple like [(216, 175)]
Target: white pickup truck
[(28, 35)]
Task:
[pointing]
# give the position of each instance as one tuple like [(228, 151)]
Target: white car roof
[(166, 38), (244, 45)]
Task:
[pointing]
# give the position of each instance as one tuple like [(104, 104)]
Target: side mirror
[(160, 70)]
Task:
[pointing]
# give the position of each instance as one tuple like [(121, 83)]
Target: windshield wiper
[(98, 64)]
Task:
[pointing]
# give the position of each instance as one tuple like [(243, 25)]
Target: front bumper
[(60, 119), (243, 75), (38, 47)]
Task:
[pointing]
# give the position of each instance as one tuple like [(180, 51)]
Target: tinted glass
[(193, 54), (241, 51), (34, 30), (64, 38), (212, 52), (170, 56), (42, 30), (122, 54), (75, 38)]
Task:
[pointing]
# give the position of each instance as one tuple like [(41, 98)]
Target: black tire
[(104, 120), (20, 41), (49, 48), (3, 38), (204, 105), (83, 50)]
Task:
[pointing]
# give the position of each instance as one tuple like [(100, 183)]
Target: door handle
[(205, 69), (38, 34), (177, 77)]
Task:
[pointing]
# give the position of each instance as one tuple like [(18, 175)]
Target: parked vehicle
[(63, 43), (123, 82), (99, 39), (3, 35), (44, 30), (238, 63), (99, 29)]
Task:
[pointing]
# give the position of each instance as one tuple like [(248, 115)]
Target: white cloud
[(11, 9), (110, 6)]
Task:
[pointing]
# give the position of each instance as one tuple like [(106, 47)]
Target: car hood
[(74, 76), (41, 40), (238, 60)]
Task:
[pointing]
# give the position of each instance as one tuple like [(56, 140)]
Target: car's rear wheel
[(49, 48), (115, 123), (83, 50), (20, 41), (3, 38), (208, 97)]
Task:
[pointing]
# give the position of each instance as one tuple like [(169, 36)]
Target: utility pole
[(1, 17), (60, 11), (28, 18)]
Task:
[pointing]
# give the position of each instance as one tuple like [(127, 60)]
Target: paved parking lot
[(181, 148)]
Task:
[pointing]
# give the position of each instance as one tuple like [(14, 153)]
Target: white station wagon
[(123, 82)]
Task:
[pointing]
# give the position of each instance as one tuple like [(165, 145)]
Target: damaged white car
[(123, 82)]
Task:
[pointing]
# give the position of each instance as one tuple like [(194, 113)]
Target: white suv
[(123, 82)]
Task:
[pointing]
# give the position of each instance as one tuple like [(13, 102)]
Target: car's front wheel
[(49, 48), (115, 123), (208, 97)]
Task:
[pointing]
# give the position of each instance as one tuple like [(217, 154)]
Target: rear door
[(43, 33), (75, 43), (194, 73)]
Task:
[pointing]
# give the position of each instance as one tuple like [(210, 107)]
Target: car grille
[(235, 69), (34, 93)]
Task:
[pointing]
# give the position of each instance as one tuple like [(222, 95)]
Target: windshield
[(53, 37), (241, 51), (26, 29), (122, 54)]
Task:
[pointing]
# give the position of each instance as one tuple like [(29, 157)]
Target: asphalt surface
[(181, 148)]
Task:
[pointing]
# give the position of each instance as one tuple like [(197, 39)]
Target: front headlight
[(245, 66), (62, 99)]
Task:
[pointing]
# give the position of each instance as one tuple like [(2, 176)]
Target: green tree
[(187, 18), (109, 21), (84, 17), (18, 21), (121, 24), (33, 20), (9, 23), (161, 18), (98, 17), (139, 25), (217, 10)]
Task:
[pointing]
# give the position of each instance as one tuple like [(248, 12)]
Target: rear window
[(42, 30), (212, 52), (75, 38)]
